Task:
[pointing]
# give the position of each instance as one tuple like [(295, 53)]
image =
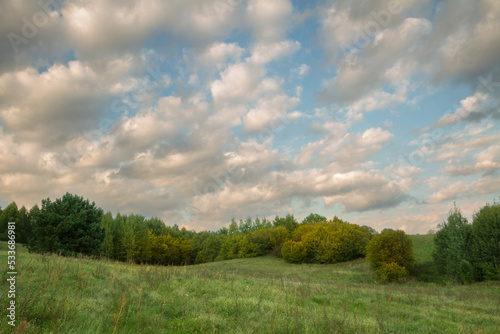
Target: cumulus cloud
[(269, 110), (197, 113), (446, 191), (269, 19), (472, 109), (487, 161), (466, 38), (343, 150), (264, 53), (237, 82), (355, 191), (217, 54), (115, 26), (373, 48), (47, 107), (371, 68), (302, 70)]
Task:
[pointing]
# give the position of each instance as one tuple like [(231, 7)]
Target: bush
[(331, 242), (390, 254), (293, 252), (390, 272), (277, 236), (485, 243)]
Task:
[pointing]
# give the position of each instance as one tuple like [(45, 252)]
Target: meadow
[(57, 294)]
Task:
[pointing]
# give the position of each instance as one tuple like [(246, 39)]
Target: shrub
[(485, 243), (293, 252), (277, 236), (390, 272), (390, 254), (331, 242)]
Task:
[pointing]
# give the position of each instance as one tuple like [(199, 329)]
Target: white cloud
[(466, 46), (154, 107), (360, 73), (64, 101), (218, 54), (446, 191), (269, 19), (115, 26), (237, 82), (303, 70), (264, 53), (341, 149), (487, 160), (473, 108), (268, 111)]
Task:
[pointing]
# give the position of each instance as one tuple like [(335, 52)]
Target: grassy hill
[(260, 295)]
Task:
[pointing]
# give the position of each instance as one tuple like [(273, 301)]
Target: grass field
[(260, 295)]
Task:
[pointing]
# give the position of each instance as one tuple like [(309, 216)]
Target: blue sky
[(381, 112)]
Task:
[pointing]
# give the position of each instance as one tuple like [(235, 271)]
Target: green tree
[(32, 215), (371, 230), (156, 225), (118, 231), (70, 225), (210, 248), (9, 214), (128, 240), (288, 222), (390, 254), (107, 243), (452, 246), (314, 218), (142, 242), (246, 226), (486, 242), (24, 228), (160, 253)]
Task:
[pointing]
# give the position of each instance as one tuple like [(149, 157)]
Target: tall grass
[(261, 295)]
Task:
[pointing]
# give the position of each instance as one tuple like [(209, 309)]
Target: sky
[(383, 113)]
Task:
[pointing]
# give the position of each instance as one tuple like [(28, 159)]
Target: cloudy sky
[(196, 111)]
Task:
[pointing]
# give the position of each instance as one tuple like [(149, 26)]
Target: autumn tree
[(390, 254)]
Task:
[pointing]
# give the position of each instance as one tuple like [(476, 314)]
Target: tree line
[(464, 252), (72, 225)]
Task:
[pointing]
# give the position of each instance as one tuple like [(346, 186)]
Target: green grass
[(259, 295), (423, 245)]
